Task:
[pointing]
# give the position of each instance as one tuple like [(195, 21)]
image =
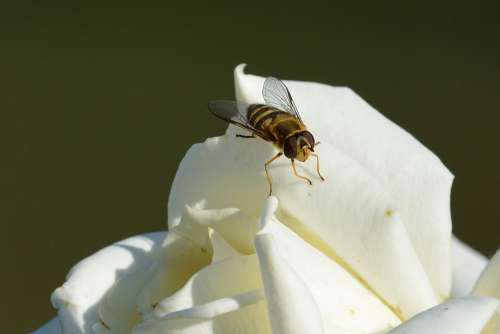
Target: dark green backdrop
[(98, 106)]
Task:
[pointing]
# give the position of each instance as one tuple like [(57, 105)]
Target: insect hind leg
[(245, 136)]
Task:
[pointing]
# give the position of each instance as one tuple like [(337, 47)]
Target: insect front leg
[(317, 166), (299, 176), (267, 172)]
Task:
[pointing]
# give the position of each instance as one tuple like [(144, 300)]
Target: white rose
[(369, 250)]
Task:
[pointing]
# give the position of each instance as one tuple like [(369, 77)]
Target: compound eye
[(309, 137), (290, 147)]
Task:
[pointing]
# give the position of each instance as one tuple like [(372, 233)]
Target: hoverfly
[(277, 121)]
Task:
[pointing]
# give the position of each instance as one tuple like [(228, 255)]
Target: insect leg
[(245, 136), (317, 165), (267, 173), (299, 176)]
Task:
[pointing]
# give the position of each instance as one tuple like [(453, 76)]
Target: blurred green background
[(99, 104)]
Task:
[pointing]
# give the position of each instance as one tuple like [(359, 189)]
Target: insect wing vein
[(276, 94)]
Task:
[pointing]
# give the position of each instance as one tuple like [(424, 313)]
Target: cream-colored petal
[(488, 283), (493, 326), (216, 299), (467, 266), (222, 172), (291, 307), (223, 316), (221, 249), (467, 315), (118, 312), (51, 327), (218, 307), (232, 276), (342, 300), (410, 172), (360, 222), (187, 249), (122, 307), (175, 326), (88, 281), (237, 228)]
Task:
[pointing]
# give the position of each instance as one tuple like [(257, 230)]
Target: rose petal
[(187, 249), (359, 222), (218, 307), (51, 327), (292, 309), (233, 276), (467, 266), (224, 315), (88, 281), (458, 316), (493, 326), (221, 249), (118, 310), (207, 292), (488, 283), (218, 164), (410, 172), (342, 301), (237, 228)]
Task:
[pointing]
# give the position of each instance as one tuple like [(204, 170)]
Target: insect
[(277, 121)]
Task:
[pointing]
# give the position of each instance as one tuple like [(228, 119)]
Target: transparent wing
[(234, 113), (277, 95)]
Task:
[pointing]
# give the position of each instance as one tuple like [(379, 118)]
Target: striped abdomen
[(277, 123)]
